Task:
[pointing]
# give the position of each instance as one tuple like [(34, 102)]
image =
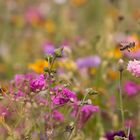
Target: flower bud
[(58, 52), (120, 65), (90, 91)]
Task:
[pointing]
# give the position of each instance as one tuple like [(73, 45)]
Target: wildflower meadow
[(69, 70)]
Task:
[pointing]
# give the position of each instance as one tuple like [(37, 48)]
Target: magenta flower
[(38, 84), (134, 67), (58, 116), (86, 112), (62, 95), (20, 80), (131, 88)]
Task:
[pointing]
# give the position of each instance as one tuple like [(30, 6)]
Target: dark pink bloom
[(131, 88), (58, 116), (62, 95), (38, 84)]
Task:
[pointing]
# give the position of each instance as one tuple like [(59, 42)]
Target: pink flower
[(58, 116), (86, 111), (63, 95), (131, 88), (134, 67), (38, 84)]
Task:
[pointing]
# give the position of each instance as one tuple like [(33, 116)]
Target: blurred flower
[(3, 110), (112, 74), (58, 116), (131, 88), (60, 1), (38, 84), (33, 16), (78, 2), (19, 93), (48, 48), (38, 65), (86, 111), (62, 95), (111, 135), (67, 64), (87, 62), (114, 53), (50, 26), (134, 67)]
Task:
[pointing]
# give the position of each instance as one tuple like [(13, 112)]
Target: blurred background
[(87, 26), (90, 31)]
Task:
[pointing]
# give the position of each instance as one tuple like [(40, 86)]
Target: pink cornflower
[(134, 67)]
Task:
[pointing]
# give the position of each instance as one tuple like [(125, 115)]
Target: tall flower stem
[(50, 131), (121, 98)]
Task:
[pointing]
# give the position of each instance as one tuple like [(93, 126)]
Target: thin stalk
[(49, 98), (121, 98), (78, 114)]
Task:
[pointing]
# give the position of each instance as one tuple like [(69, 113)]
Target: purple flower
[(111, 135), (48, 48), (38, 84), (131, 88), (134, 67), (62, 95), (87, 62)]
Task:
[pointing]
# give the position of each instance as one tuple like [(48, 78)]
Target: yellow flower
[(49, 25), (38, 66), (67, 64)]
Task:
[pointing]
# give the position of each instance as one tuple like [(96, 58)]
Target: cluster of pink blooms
[(60, 96), (134, 67)]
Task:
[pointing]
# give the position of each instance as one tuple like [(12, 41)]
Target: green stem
[(121, 99)]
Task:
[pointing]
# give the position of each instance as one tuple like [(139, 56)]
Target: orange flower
[(38, 66), (78, 2)]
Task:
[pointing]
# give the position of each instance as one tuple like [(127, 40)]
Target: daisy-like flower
[(134, 67)]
